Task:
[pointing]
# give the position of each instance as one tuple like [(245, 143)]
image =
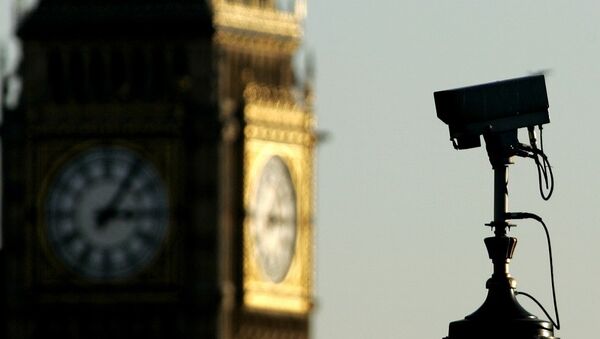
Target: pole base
[(505, 329), (501, 316)]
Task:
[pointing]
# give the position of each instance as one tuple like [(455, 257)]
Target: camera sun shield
[(494, 107)]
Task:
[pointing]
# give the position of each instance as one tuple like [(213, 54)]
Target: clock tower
[(158, 173)]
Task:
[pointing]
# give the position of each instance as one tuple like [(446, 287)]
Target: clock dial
[(273, 224), (107, 213)]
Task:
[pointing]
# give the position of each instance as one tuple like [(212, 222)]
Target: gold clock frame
[(276, 128)]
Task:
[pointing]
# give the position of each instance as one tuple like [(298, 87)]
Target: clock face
[(287, 6), (107, 213), (273, 223)]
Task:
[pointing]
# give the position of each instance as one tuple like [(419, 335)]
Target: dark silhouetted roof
[(103, 18)]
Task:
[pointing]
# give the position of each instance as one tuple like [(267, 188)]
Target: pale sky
[(401, 214)]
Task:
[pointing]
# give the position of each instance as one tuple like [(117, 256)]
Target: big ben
[(158, 173)]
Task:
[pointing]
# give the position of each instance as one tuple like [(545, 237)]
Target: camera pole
[(501, 315), (500, 196)]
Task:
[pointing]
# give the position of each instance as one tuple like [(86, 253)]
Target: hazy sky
[(400, 213)]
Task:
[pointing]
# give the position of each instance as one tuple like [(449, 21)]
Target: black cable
[(540, 306), (541, 138), (525, 215), (543, 167), (546, 168)]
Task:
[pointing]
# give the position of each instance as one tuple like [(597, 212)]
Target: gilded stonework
[(231, 15), (278, 129), (262, 45)]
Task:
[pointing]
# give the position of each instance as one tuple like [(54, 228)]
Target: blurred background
[(400, 214)]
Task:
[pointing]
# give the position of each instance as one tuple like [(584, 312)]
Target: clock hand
[(272, 220), (278, 220), (110, 210), (123, 213), (136, 212)]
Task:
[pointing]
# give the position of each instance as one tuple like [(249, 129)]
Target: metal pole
[(500, 198)]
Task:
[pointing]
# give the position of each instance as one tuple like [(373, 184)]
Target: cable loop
[(525, 215)]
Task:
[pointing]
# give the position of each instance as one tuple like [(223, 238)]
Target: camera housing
[(492, 108)]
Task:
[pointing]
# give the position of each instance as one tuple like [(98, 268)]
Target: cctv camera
[(491, 108)]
